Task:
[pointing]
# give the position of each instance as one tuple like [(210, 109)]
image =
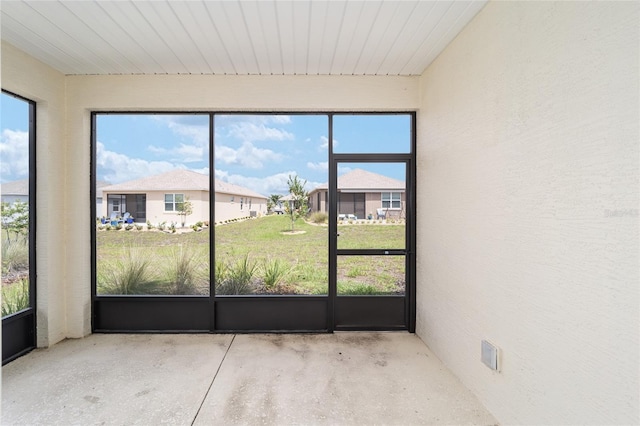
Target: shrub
[(128, 227), (238, 279), (131, 274), (274, 271), (220, 273), (185, 270), (319, 217), (138, 227), (149, 225), (15, 255), (15, 297), (358, 289)]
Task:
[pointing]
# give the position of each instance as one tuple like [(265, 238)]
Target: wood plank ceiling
[(235, 37)]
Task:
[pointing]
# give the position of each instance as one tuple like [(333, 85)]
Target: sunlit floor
[(341, 378)]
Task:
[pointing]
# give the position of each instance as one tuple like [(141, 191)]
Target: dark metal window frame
[(19, 329), (249, 313)]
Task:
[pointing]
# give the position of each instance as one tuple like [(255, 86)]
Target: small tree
[(15, 218), (184, 209), (297, 206), (273, 201)]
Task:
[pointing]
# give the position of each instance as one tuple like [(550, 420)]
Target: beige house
[(233, 201), (362, 193), (157, 198), (17, 190)]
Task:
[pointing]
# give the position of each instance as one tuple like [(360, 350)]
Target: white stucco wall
[(226, 209), (156, 213), (24, 76), (194, 93), (528, 210)]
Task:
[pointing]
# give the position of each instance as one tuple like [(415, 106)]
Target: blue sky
[(255, 151), (14, 139)]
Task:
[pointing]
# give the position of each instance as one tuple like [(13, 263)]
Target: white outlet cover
[(489, 355)]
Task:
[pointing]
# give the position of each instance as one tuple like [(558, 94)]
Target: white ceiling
[(235, 37)]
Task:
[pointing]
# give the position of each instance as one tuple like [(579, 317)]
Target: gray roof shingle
[(362, 180)]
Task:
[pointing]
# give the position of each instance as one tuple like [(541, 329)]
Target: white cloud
[(182, 153), (266, 185), (249, 132), (280, 119), (342, 170), (247, 155), (195, 128), (14, 152), (118, 168), (322, 166), (324, 143)]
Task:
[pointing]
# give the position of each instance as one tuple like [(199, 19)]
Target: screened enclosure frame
[(260, 312), (19, 330)]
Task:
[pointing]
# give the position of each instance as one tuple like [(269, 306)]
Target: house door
[(371, 256)]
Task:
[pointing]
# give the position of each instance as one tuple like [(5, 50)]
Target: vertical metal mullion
[(32, 217), (212, 228), (92, 206), (411, 228), (333, 230)]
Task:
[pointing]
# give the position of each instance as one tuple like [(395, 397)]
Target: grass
[(274, 271), (15, 273), (259, 256), (239, 277), (15, 254), (187, 271), (129, 274), (15, 297)]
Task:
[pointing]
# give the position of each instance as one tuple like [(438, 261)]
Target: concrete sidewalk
[(341, 378)]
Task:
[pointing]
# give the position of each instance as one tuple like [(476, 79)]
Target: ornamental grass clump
[(238, 279), (130, 274), (185, 271), (15, 297), (274, 271)]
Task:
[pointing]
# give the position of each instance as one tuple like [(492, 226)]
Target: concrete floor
[(341, 378)]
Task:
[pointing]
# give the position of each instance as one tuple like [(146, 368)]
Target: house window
[(116, 206), (391, 200), (173, 202), (232, 198), (241, 202)]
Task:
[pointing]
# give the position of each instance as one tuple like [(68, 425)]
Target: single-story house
[(99, 185), (157, 198), (17, 190), (362, 193), (233, 201)]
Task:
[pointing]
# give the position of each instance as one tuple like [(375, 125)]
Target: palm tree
[(273, 201)]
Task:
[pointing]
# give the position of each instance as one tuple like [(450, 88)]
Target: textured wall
[(195, 93), (33, 80), (528, 210)]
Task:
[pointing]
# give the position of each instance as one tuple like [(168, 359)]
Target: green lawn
[(15, 272), (253, 256)]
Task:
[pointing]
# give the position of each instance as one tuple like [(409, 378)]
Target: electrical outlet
[(489, 355)]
